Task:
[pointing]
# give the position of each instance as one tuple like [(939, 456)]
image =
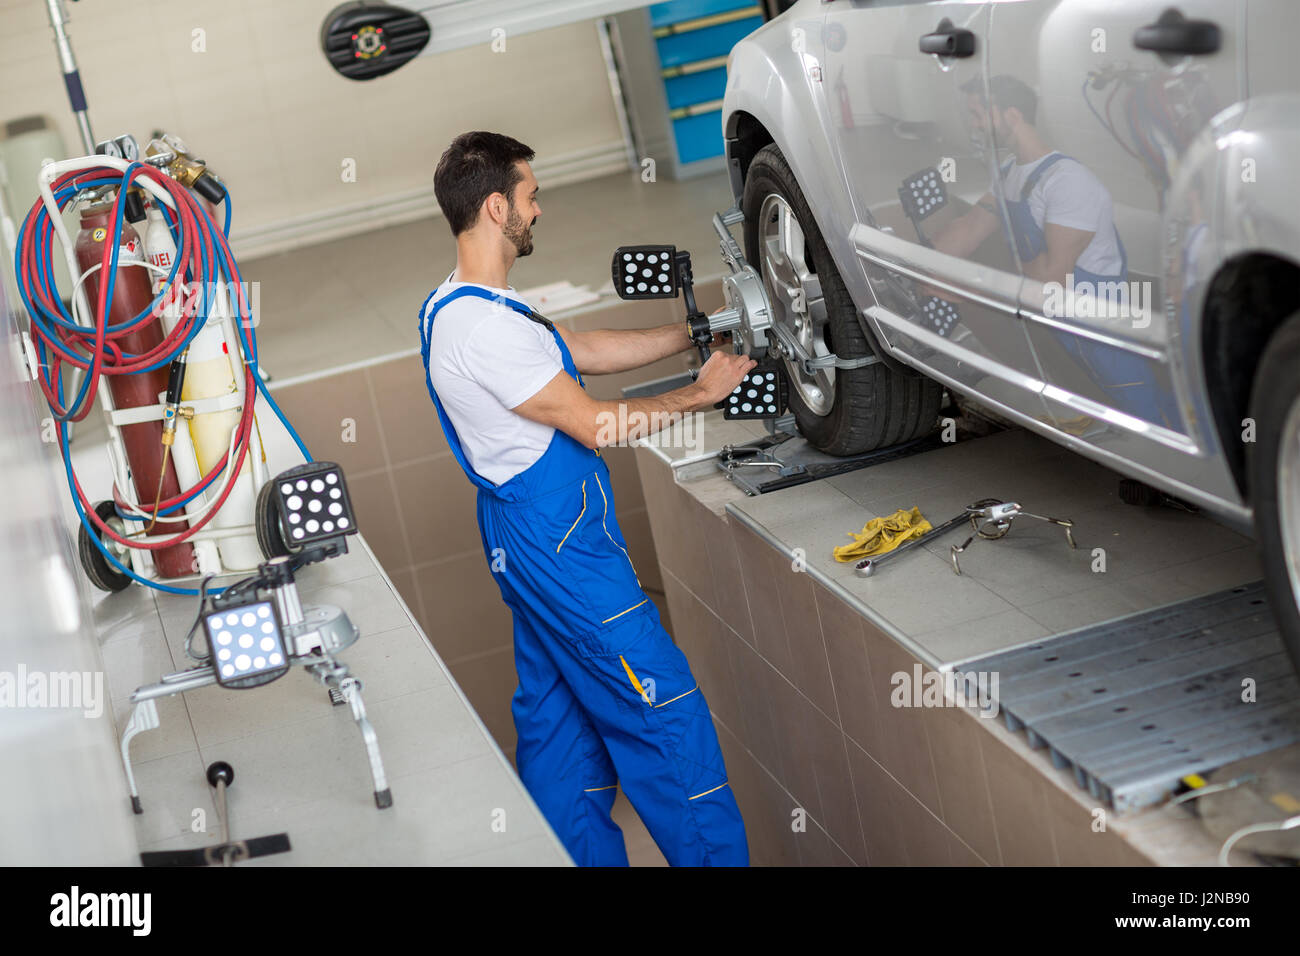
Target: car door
[(1115, 123), (916, 161)]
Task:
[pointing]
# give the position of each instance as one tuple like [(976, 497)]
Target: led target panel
[(247, 645), (923, 193), (314, 504), (763, 393), (645, 272)]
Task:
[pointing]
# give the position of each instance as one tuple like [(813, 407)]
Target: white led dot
[(268, 627), (631, 267), (336, 493), (275, 659), (640, 286), (647, 273), (331, 479), (336, 509), (242, 662), (286, 488), (249, 619), (263, 611), (312, 525), (232, 618), (343, 522), (297, 532), (317, 485), (327, 526), (751, 393), (245, 640), (227, 671), (294, 517), (267, 644), (314, 505), (293, 503), (640, 256), (745, 407), (652, 258), (302, 484), (223, 654), (259, 661), (223, 637)]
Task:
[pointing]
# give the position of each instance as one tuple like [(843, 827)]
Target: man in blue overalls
[(605, 699)]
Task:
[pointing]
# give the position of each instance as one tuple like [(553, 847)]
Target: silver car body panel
[(852, 117)]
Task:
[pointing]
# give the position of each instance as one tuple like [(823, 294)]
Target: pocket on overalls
[(593, 560)]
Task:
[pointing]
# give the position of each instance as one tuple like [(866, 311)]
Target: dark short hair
[(475, 166), (1007, 91)]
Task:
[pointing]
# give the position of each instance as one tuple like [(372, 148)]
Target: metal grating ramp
[(1134, 705)]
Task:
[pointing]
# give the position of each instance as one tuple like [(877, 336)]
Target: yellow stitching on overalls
[(621, 613), (576, 520), (601, 485), (632, 677), (595, 789), (680, 696), (707, 792)]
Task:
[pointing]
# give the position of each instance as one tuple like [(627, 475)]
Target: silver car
[(1080, 214)]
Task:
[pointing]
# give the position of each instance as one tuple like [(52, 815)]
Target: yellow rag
[(881, 535)]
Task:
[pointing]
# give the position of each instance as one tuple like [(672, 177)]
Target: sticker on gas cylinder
[(98, 235)]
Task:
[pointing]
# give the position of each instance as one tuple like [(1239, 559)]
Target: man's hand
[(720, 375)]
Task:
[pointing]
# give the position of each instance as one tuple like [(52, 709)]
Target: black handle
[(1175, 34), (948, 40)]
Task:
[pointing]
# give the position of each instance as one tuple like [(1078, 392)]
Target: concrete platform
[(799, 657)]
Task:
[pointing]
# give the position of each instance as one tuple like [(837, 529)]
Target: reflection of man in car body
[(1060, 221), (1060, 214)]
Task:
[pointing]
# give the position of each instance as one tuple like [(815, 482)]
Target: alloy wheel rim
[(795, 294)]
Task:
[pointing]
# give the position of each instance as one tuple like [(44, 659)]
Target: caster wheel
[(270, 534), (337, 698), (383, 799), (102, 574)]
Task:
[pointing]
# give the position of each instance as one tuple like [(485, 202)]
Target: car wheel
[(1273, 470), (839, 411)]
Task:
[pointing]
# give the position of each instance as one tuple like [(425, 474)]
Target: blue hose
[(225, 269)]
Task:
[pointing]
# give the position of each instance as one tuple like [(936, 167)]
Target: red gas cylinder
[(143, 440)]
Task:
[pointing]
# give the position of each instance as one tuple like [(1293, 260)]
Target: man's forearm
[(621, 421), (601, 351)]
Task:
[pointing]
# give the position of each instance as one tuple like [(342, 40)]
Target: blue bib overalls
[(1122, 376), (605, 698)]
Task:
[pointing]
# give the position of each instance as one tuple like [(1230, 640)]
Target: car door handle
[(948, 40), (1174, 33)]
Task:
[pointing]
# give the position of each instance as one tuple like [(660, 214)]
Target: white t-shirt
[(485, 358), (1068, 194)]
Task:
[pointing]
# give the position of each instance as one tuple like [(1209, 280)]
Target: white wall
[(274, 120)]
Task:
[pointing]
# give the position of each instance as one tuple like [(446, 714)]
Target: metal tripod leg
[(143, 717), (350, 687), (342, 685)]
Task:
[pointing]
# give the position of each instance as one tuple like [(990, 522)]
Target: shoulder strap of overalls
[(426, 334), (1032, 179)]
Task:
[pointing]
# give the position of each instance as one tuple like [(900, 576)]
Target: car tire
[(1273, 474), (270, 535), (874, 406)]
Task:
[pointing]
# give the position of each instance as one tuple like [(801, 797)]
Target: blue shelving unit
[(692, 39)]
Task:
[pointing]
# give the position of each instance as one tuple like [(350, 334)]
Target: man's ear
[(496, 208)]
